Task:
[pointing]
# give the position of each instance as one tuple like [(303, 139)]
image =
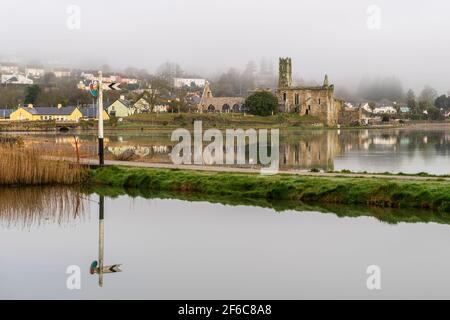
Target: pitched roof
[(51, 111), (126, 103), (5, 113), (89, 112)]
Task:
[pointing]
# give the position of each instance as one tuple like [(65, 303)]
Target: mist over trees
[(381, 88), (240, 83)]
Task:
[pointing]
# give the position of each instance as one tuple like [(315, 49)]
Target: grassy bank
[(376, 192), (224, 120)]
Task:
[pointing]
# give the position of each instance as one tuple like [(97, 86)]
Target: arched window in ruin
[(236, 108), (226, 108), (211, 108)]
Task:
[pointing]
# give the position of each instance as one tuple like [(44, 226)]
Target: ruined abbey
[(318, 101)]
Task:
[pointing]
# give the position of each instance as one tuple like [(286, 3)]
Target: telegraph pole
[(101, 151)]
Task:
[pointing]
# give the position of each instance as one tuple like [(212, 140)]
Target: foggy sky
[(207, 36)]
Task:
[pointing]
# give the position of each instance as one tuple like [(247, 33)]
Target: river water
[(179, 249), (408, 150), (192, 247)]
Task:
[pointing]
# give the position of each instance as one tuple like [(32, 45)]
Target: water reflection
[(24, 208), (408, 150), (98, 267), (193, 246)]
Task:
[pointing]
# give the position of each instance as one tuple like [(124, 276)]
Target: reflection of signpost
[(98, 266)]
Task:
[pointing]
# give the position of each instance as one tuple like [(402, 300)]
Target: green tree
[(442, 102), (434, 113), (428, 95), (31, 93), (262, 103), (412, 102)]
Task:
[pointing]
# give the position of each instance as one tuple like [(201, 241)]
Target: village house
[(34, 72), (405, 109), (5, 114), (121, 108), (385, 110), (90, 112), (142, 106), (60, 114), (15, 79), (62, 73), (161, 108), (185, 82), (9, 68)]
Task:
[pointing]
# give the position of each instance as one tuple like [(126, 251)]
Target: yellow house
[(60, 114)]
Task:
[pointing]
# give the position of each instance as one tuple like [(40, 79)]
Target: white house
[(15, 79), (142, 106), (385, 110), (34, 72), (9, 68), (161, 108), (62, 73), (366, 107), (185, 82)]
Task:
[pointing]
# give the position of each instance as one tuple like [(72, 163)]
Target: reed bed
[(28, 207), (30, 166), (11, 141)]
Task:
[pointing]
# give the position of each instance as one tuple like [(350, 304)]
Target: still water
[(408, 150), (177, 249)]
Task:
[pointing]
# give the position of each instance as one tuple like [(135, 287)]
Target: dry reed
[(27, 166)]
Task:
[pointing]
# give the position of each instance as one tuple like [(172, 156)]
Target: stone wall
[(315, 101), (349, 117)]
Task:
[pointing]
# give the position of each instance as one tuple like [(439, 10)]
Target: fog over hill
[(349, 40)]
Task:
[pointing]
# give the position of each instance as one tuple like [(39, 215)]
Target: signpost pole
[(101, 154)]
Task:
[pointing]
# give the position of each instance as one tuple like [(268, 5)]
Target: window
[(284, 96), (297, 99), (319, 101)]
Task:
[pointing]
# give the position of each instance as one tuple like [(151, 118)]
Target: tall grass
[(27, 166)]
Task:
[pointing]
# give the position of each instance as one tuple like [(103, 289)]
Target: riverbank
[(384, 192), (171, 121)]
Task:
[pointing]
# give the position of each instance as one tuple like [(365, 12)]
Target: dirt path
[(248, 170)]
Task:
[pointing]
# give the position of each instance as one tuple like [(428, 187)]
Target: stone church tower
[(285, 73), (316, 101)]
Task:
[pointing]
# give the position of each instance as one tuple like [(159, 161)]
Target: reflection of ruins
[(312, 151), (140, 151), (299, 149)]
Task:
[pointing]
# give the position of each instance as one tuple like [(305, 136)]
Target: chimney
[(59, 105), (30, 105)]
